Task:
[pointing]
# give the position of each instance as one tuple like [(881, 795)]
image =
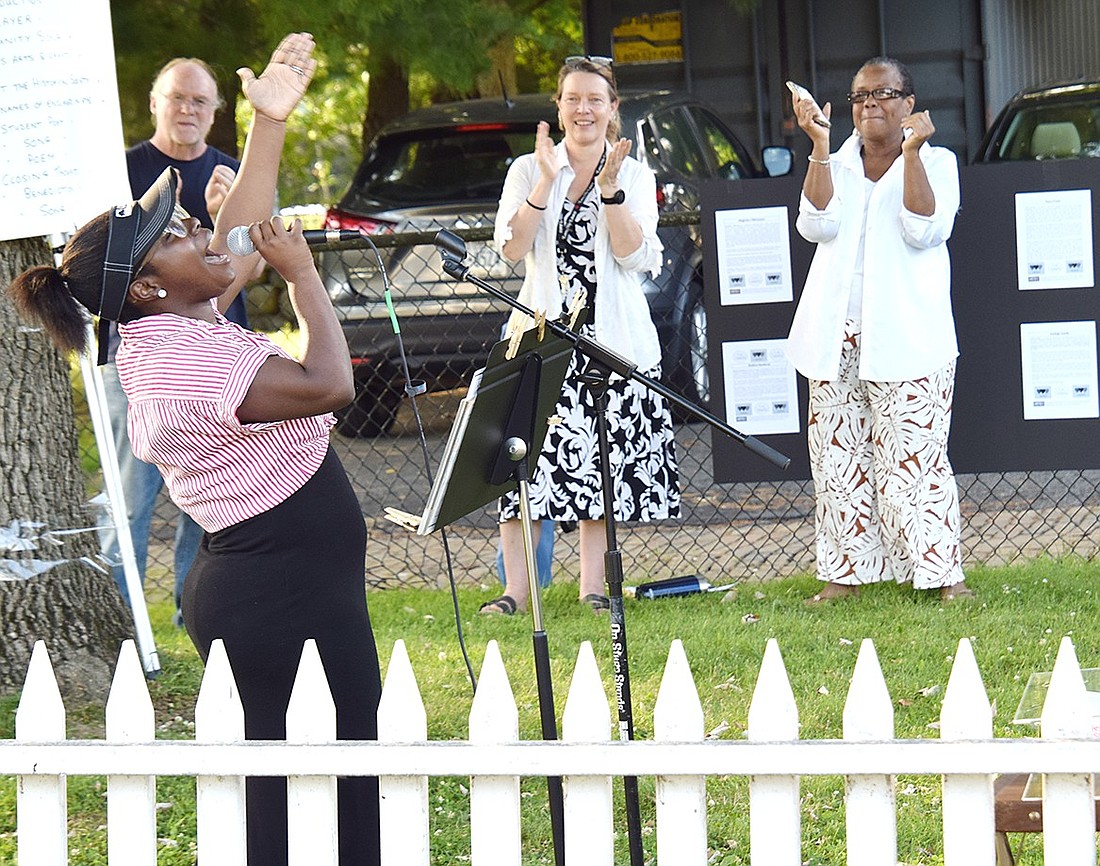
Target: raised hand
[(544, 151), (805, 110), (284, 80), (922, 130)]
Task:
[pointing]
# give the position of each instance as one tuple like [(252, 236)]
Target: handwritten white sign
[(61, 148)]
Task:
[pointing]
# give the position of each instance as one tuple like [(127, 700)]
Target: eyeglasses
[(594, 59), (197, 103), (176, 223), (879, 93)]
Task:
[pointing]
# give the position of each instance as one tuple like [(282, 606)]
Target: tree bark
[(503, 57), (387, 94), (74, 607)]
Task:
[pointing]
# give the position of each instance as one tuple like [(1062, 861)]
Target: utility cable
[(413, 388)]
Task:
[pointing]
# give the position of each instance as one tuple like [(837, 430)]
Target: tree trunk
[(223, 133), (75, 608), (387, 94), (503, 57)]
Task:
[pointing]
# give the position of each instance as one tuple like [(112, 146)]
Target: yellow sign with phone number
[(649, 39)]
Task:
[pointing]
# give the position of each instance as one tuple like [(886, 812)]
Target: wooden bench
[(1013, 814)]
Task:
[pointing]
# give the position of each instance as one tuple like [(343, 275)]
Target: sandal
[(503, 606), (831, 592), (957, 592), (598, 603)]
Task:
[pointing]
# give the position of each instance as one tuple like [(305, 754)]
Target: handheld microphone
[(240, 244)]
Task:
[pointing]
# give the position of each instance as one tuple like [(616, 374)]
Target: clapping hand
[(221, 179), (284, 80), (609, 174)]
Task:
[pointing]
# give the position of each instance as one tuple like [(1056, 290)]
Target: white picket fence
[(772, 756)]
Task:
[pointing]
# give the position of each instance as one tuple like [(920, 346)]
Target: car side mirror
[(778, 160)]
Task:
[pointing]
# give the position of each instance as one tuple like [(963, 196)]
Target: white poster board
[(761, 387), (61, 148), (1054, 239), (1059, 370), (754, 256)]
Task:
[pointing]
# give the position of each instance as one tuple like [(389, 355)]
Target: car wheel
[(374, 408), (689, 377), (695, 323)]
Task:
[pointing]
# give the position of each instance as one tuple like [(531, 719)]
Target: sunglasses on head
[(595, 59)]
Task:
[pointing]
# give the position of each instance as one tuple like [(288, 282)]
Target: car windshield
[(438, 167), (1054, 130)]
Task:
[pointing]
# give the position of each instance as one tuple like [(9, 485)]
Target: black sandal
[(503, 606), (598, 603)]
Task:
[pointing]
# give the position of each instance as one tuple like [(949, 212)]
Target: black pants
[(266, 585)]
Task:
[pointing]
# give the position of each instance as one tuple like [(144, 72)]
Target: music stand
[(493, 446), (602, 362)]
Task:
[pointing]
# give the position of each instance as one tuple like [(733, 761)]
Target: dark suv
[(443, 167), (1058, 121)]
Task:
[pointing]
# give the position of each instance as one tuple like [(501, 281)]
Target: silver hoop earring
[(161, 293)]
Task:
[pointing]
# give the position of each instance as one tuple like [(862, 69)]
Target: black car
[(443, 167), (1057, 121)]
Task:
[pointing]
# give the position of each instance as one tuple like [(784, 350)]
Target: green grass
[(1015, 627)]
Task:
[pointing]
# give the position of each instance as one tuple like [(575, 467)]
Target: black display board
[(988, 433)]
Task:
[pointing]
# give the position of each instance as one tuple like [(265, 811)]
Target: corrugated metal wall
[(738, 61), (1031, 42)]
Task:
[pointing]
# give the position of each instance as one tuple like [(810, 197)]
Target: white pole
[(116, 502)]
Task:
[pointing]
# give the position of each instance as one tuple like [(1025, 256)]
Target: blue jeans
[(544, 555), (141, 484)]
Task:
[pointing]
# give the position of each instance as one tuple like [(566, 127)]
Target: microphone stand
[(602, 362)]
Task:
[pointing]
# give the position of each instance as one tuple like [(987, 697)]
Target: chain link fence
[(390, 443)]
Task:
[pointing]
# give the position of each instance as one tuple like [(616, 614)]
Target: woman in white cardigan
[(875, 337), (582, 215)]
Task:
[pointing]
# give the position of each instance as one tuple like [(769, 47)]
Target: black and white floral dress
[(567, 484)]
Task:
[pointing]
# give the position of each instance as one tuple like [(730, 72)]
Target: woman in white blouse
[(582, 215), (875, 337)]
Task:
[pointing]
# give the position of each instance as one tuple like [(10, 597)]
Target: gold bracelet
[(819, 161)]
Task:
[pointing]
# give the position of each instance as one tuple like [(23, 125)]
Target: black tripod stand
[(602, 362), (494, 442)]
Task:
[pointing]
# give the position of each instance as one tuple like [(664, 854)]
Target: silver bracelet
[(818, 161)]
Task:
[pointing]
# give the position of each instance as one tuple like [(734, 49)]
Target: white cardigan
[(908, 330), (623, 321)]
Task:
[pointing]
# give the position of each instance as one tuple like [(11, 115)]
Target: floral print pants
[(887, 506)]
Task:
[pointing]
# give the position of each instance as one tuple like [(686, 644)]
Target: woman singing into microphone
[(240, 432)]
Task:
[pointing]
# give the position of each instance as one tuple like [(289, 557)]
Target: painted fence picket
[(870, 801), (967, 755), (1069, 816), (968, 826), (403, 800), (494, 800), (219, 799), (131, 800), (681, 800), (311, 800), (42, 832), (589, 840), (775, 817)]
